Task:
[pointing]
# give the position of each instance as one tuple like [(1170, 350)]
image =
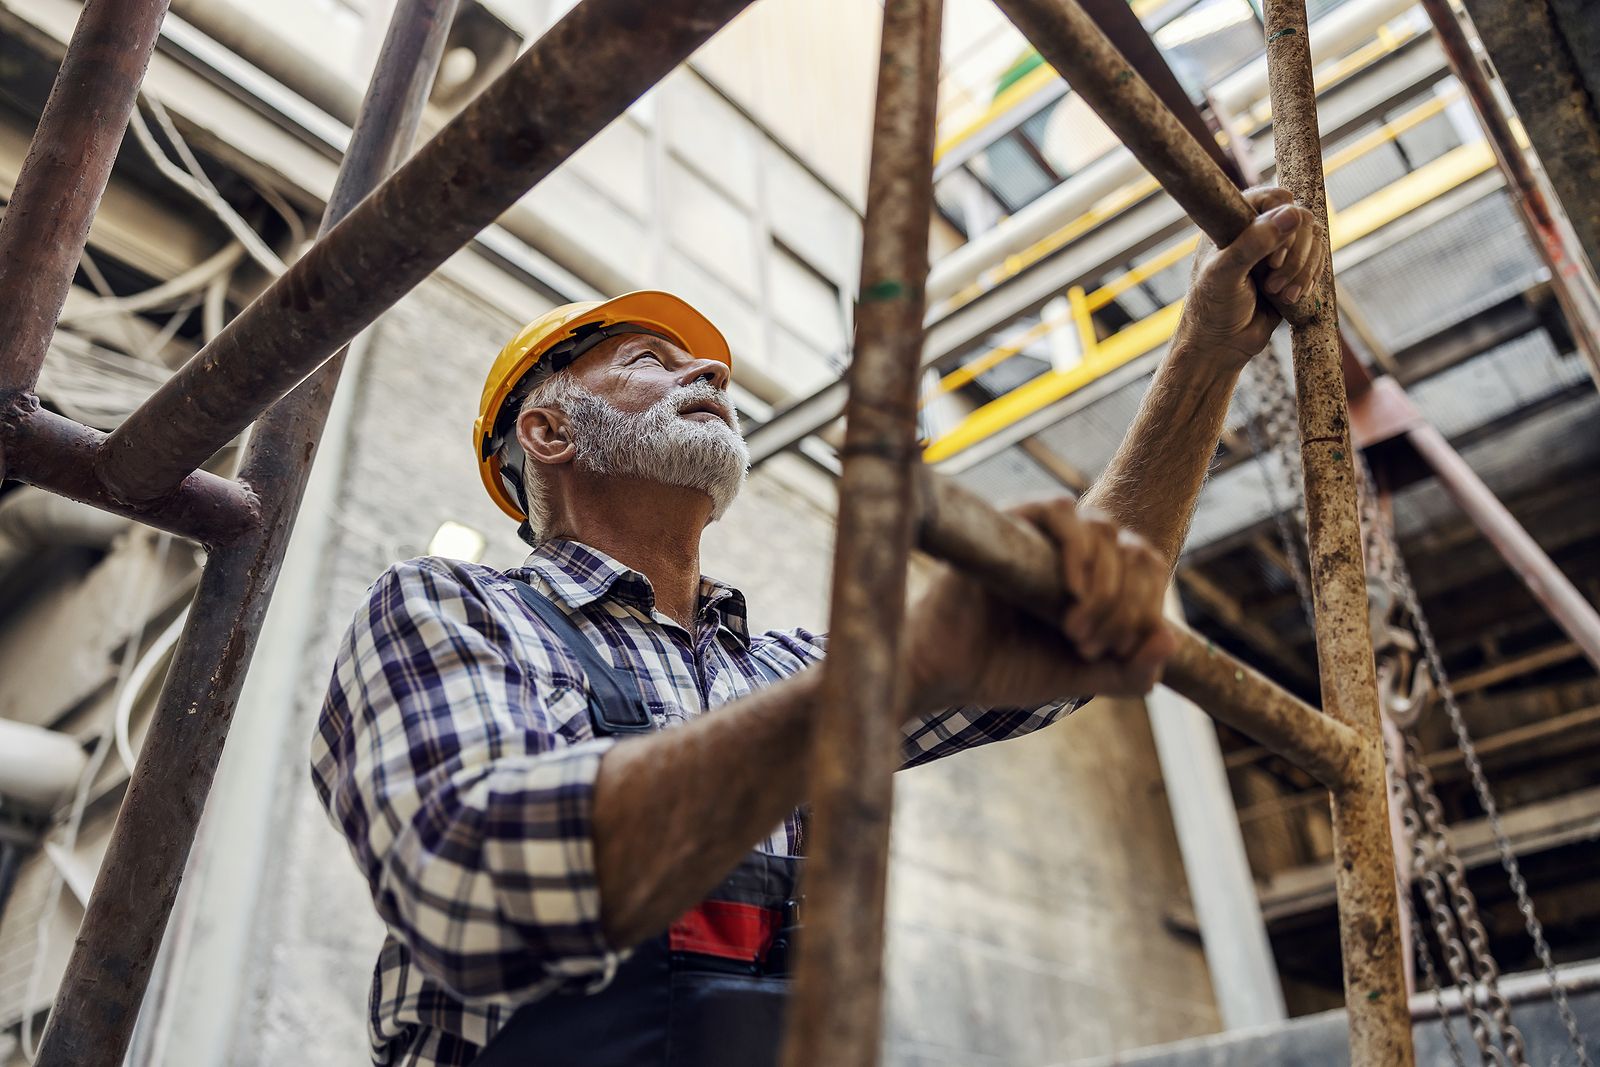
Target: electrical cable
[(97, 278), (164, 336), (94, 385), (129, 694), (80, 800), (200, 187), (217, 264)]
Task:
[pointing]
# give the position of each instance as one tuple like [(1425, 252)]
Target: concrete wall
[(1028, 892)]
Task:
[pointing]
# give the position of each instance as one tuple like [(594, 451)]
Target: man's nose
[(708, 370)]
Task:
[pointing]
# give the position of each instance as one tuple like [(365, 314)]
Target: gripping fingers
[(1143, 591), (1091, 622), (1303, 248)]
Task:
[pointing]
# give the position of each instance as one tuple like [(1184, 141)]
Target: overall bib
[(710, 992)]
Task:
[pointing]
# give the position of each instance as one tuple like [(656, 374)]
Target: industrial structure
[(1414, 570)]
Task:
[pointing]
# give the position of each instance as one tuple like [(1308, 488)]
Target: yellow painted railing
[(1414, 190), (1388, 38), (1006, 101)]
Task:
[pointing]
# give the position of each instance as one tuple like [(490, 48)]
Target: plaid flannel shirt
[(454, 752)]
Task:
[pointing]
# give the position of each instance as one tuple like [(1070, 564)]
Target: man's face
[(636, 371), (642, 407)]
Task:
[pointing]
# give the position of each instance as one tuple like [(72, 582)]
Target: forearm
[(1154, 479), (674, 811)]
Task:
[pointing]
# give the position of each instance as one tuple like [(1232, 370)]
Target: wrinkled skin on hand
[(1223, 313)]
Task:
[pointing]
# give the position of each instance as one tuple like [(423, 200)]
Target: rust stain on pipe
[(64, 175), (1568, 279)]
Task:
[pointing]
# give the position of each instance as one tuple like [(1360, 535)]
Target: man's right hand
[(965, 646)]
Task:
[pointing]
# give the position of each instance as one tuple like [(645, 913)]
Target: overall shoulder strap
[(615, 707)]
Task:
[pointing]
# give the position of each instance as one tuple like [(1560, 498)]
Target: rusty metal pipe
[(835, 1015), (582, 74), (57, 454), (64, 175), (1075, 45), (1016, 562), (1546, 68), (1121, 25), (112, 960), (1538, 572), (1369, 931), (1569, 280)]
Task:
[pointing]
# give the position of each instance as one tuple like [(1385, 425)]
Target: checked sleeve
[(459, 765)]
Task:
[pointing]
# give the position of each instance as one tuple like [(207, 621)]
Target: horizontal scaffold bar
[(1017, 562), (56, 454), (576, 79)]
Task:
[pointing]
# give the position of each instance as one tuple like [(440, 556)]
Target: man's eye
[(647, 354)]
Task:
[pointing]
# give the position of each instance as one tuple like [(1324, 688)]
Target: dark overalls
[(710, 992)]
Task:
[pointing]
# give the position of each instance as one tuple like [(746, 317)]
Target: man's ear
[(544, 436)]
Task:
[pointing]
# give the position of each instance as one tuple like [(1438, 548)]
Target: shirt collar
[(579, 575)]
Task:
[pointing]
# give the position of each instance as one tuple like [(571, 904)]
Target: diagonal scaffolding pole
[(1574, 291), (64, 175), (835, 1015), (104, 984), (576, 79), (1375, 992)]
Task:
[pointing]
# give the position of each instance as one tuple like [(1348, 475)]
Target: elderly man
[(575, 788)]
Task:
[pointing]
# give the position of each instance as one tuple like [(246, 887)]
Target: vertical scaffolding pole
[(64, 175), (1574, 291), (835, 1016), (115, 952), (1369, 935)]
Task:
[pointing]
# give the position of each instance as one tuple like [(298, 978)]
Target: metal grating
[(1089, 437), (1515, 375), (1009, 478), (1462, 264)]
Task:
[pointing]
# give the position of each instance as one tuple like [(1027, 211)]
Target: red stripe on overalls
[(726, 930)]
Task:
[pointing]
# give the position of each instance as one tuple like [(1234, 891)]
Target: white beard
[(659, 444)]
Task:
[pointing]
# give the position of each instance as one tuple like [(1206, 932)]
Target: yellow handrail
[(1389, 37), (1404, 195), (1175, 252)]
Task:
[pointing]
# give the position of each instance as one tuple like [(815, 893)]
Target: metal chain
[(1401, 796), (1431, 976), (1270, 425), (1275, 418), (1491, 810), (1400, 575), (1486, 973), (1425, 851)]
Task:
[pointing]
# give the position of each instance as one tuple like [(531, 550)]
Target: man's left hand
[(1223, 315), (966, 646)]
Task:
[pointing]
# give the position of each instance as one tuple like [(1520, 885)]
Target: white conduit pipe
[(38, 768), (160, 649)]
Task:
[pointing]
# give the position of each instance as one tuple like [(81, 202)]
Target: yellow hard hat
[(584, 324)]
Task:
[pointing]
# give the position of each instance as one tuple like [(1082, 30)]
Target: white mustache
[(685, 395)]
